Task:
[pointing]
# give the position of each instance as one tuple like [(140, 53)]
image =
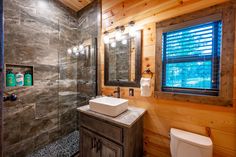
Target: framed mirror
[(123, 61)]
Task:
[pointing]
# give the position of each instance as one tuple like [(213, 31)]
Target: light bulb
[(82, 52), (124, 41), (113, 44), (75, 49), (69, 51), (132, 33), (118, 34), (106, 37), (132, 29), (81, 48)]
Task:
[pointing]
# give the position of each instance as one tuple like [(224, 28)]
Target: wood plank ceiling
[(76, 5)]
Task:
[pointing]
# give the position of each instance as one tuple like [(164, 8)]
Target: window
[(191, 59)]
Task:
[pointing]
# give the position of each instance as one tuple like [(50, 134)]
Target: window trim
[(213, 91), (225, 13)]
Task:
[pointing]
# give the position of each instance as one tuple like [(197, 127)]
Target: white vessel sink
[(108, 106)]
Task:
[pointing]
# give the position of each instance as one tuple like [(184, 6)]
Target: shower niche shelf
[(15, 68)]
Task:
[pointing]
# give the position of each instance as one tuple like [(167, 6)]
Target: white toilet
[(186, 144)]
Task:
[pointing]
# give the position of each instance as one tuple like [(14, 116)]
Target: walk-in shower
[(43, 121)]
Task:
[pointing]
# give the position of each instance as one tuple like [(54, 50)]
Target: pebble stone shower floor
[(67, 146)]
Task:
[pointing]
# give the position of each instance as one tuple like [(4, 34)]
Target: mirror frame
[(138, 62)]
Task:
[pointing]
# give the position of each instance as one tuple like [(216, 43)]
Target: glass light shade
[(113, 44), (124, 41), (81, 48), (106, 39), (132, 31), (82, 52), (69, 51), (75, 49), (118, 35)]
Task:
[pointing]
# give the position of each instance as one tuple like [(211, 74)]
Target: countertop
[(126, 119)]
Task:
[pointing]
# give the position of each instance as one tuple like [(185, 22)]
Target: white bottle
[(19, 79)]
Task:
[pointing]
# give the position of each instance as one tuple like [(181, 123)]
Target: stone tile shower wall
[(38, 33)]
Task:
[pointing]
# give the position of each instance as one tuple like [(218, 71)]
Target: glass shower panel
[(68, 92)]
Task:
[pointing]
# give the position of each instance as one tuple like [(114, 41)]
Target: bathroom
[(61, 61)]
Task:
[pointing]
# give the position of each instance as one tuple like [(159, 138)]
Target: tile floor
[(66, 147)]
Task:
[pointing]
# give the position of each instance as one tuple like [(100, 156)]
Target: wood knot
[(146, 59)]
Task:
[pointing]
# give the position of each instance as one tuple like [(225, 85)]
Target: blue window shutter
[(191, 59)]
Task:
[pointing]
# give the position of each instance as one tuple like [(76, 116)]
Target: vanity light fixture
[(119, 30)]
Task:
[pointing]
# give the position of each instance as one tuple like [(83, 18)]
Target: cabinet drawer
[(110, 131)]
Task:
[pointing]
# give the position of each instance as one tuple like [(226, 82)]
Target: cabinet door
[(110, 149), (93, 145), (88, 144)]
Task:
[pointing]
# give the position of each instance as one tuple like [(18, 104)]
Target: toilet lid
[(192, 138)]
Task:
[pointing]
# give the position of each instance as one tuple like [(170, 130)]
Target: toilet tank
[(186, 144)]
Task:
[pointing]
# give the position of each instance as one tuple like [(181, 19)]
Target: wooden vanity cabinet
[(101, 137)]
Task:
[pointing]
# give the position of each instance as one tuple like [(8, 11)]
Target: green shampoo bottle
[(28, 80), (10, 79)]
